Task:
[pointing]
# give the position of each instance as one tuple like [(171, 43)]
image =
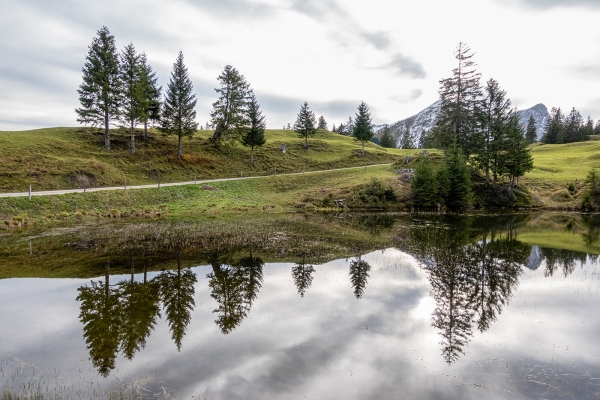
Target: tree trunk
[(252, 156), (363, 148), (179, 148), (306, 142), (145, 131), (106, 132), (132, 139)]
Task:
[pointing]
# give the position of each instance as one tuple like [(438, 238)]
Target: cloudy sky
[(330, 53)]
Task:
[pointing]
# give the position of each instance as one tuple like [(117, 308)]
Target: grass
[(563, 163), (63, 158)]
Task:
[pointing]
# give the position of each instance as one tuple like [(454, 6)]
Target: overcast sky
[(330, 53)]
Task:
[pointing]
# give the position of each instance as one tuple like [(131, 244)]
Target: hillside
[(63, 158)]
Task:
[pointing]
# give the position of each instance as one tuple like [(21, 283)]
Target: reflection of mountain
[(234, 287), (535, 258), (121, 317), (359, 274), (302, 274)]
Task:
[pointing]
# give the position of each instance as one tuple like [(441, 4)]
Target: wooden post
[(365, 169), (194, 179), (158, 179), (29, 192), (275, 173), (241, 175), (84, 187), (303, 168), (30, 249), (125, 185)]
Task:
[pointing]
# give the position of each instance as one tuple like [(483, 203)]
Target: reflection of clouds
[(327, 344)]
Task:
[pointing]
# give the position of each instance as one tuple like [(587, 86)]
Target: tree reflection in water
[(234, 286), (122, 316), (302, 274), (472, 278), (359, 274)]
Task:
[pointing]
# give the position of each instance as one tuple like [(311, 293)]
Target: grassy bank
[(65, 158)]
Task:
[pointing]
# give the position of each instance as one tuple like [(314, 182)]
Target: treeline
[(561, 128), (480, 131)]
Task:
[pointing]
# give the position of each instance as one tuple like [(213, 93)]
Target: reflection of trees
[(359, 274), (563, 259), (177, 294), (234, 287), (302, 274), (122, 316), (472, 278), (100, 316), (140, 308)]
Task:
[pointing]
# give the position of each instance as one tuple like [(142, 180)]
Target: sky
[(332, 54)]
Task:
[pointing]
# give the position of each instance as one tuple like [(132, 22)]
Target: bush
[(376, 192)]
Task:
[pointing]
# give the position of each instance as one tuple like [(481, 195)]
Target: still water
[(406, 308)]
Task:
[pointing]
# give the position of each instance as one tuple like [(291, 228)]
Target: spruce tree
[(322, 123), (531, 132), (459, 194), (100, 91), (363, 126), (573, 127), (387, 140), (423, 185), (178, 114), (305, 125), (597, 128), (493, 114), (460, 95), (230, 111), (406, 141), (588, 129), (555, 128), (255, 135), (150, 94), (516, 157), (132, 91), (334, 129)]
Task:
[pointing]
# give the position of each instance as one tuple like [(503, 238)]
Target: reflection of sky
[(329, 344)]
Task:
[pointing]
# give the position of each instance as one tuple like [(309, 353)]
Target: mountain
[(422, 122)]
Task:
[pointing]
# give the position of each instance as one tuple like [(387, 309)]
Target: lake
[(305, 306)]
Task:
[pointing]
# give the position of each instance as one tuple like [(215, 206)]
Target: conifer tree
[(573, 127), (151, 92), (597, 128), (460, 95), (100, 91), (459, 194), (305, 125), (334, 129), (255, 135), (531, 132), (230, 111), (587, 129), (387, 140), (178, 114), (516, 158), (132, 91), (322, 123), (555, 128), (363, 126), (423, 185), (406, 141), (494, 113)]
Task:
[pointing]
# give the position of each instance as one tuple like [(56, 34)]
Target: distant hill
[(422, 122)]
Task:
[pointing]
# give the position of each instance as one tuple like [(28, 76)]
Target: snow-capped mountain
[(540, 116), (422, 122)]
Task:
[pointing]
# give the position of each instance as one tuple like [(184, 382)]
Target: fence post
[(125, 185), (194, 179), (241, 175), (84, 187), (303, 168), (158, 180), (29, 192), (275, 173), (30, 249), (365, 169)]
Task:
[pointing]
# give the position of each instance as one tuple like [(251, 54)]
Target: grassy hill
[(62, 158)]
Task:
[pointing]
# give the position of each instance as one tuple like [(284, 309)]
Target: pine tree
[(178, 114), (255, 135), (460, 96), (573, 127), (493, 114), (531, 132), (322, 123), (230, 111), (387, 140), (334, 129), (459, 194), (406, 141), (423, 185), (341, 129), (363, 126), (151, 94), (516, 159), (99, 93), (305, 125), (587, 129), (132, 91), (597, 128), (554, 132)]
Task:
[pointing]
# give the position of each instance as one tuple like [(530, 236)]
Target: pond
[(286, 307)]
